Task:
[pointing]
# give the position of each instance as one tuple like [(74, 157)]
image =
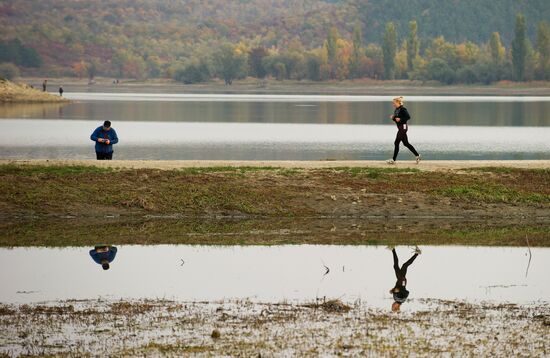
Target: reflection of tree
[(30, 110)]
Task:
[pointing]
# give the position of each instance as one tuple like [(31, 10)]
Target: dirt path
[(428, 165)]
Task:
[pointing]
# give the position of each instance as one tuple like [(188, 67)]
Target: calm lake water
[(185, 126), (276, 273)]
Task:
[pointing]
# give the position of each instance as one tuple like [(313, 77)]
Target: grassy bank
[(19, 93), (65, 205), (272, 192)]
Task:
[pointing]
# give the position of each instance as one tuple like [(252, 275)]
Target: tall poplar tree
[(519, 48), (412, 45), (332, 49), (389, 49), (355, 60), (543, 48), (497, 50)]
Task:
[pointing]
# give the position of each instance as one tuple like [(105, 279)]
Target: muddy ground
[(244, 328), (425, 165), (61, 232)]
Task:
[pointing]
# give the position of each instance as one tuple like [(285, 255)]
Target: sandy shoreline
[(427, 165)]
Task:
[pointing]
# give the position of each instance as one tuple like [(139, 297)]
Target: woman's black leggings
[(401, 272), (402, 137)]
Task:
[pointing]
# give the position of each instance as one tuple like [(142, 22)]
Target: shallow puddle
[(276, 273)]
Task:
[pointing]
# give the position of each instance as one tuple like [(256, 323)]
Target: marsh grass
[(173, 329), (330, 306)]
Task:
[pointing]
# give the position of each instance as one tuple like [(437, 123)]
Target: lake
[(278, 127), (276, 273)]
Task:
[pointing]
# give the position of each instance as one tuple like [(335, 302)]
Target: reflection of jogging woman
[(400, 292), (400, 117)]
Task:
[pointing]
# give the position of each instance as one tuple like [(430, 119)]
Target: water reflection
[(32, 110), (495, 274), (103, 255), (485, 112), (399, 291)]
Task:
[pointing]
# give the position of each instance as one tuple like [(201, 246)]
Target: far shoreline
[(293, 87)]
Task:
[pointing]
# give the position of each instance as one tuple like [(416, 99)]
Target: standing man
[(60, 91), (44, 84), (104, 138)]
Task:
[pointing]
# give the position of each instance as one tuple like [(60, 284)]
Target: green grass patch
[(290, 172), (495, 236), (31, 170), (508, 170), (225, 169), (491, 193), (373, 172)]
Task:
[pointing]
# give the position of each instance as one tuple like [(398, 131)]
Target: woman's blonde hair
[(399, 100)]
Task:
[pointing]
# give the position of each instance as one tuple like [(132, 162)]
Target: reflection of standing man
[(104, 138), (103, 255), (400, 292)]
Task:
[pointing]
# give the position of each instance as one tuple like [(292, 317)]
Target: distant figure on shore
[(104, 138), (44, 85), (399, 291), (103, 255), (400, 116), (61, 91)]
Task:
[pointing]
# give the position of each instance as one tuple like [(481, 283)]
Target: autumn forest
[(195, 40)]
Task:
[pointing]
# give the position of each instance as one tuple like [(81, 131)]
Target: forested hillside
[(193, 40)]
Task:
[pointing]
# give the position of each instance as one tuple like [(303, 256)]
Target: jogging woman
[(400, 117)]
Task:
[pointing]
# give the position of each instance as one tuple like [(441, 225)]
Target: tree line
[(413, 58), (197, 40)]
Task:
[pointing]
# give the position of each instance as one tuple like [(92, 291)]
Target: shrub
[(8, 71)]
